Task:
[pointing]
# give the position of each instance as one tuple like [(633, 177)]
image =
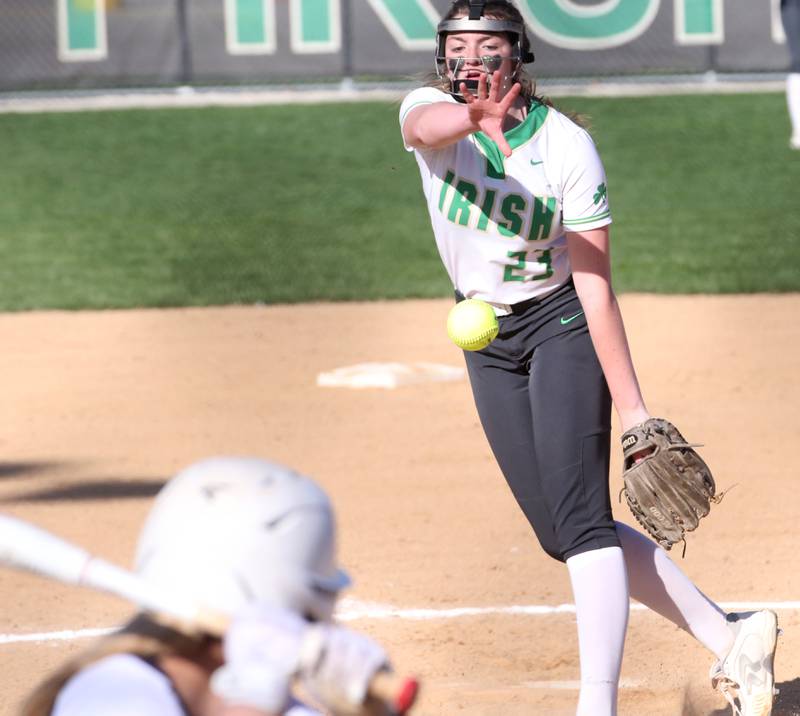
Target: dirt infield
[(99, 409)]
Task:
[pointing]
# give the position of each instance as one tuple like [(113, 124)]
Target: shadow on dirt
[(110, 489), (787, 702), (25, 469)]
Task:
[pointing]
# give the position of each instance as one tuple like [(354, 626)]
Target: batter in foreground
[(256, 542)]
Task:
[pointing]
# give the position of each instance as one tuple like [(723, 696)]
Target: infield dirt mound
[(100, 408)]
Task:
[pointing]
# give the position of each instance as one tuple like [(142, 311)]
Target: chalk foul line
[(354, 610)]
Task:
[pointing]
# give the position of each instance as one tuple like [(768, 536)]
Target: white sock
[(793, 100), (656, 581), (600, 589)]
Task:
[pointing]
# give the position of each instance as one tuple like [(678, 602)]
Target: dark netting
[(168, 42)]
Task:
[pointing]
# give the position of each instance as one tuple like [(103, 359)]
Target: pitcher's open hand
[(486, 112)]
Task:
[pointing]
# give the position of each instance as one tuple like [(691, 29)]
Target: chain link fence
[(125, 43)]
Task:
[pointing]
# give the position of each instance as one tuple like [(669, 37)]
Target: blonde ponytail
[(143, 636)]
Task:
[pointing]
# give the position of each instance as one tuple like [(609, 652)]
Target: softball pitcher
[(519, 205), (251, 539)]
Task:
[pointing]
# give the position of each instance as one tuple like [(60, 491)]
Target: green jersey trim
[(588, 220), (516, 137)]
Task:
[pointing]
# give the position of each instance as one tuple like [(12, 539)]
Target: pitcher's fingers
[(495, 86), (483, 92), (512, 94)]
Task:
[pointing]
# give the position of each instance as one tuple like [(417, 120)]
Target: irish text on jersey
[(509, 214)]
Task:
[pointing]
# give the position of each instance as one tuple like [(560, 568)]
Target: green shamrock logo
[(600, 193)]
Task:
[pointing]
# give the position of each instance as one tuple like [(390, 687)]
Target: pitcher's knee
[(552, 549), (598, 538)]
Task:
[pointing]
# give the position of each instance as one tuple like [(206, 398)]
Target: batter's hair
[(143, 636)]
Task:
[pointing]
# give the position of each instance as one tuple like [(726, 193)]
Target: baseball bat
[(28, 547)]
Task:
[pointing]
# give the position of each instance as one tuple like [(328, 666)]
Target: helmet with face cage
[(476, 21)]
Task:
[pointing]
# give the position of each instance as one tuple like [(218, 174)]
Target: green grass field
[(299, 203)]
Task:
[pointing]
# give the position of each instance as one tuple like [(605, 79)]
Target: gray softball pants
[(790, 14), (545, 407)]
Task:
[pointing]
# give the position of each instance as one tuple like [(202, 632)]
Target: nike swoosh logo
[(753, 672), (565, 321), (533, 163)]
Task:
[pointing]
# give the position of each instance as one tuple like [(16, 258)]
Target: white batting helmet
[(227, 531)]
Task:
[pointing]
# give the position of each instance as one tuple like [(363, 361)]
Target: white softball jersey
[(121, 684), (500, 222), (125, 685)]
